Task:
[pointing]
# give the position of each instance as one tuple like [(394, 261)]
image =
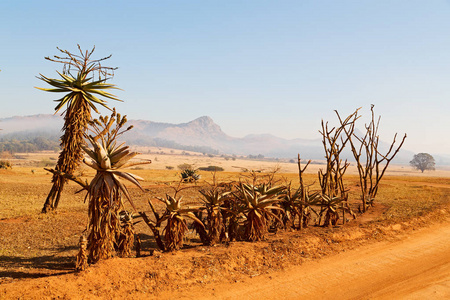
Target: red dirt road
[(416, 267)]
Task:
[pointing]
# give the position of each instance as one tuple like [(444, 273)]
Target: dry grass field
[(38, 250)]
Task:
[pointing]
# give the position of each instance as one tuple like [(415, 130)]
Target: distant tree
[(422, 162), (211, 169)]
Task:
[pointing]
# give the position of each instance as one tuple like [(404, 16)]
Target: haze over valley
[(201, 135)]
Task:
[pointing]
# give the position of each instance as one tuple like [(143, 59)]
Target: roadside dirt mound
[(285, 265)]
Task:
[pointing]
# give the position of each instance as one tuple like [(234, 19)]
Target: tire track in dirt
[(417, 267)]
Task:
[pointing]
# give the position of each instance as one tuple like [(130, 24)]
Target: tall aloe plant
[(106, 191), (82, 94)]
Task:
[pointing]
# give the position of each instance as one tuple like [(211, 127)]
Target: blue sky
[(275, 67)]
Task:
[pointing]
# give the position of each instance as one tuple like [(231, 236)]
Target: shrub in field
[(190, 175), (81, 91), (4, 164), (291, 206), (175, 215), (231, 215), (310, 201), (44, 163)]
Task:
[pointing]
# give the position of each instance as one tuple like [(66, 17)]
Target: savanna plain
[(400, 248)]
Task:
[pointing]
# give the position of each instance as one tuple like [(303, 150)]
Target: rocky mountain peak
[(205, 124)]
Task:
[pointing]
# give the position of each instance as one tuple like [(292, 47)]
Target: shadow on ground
[(35, 267)]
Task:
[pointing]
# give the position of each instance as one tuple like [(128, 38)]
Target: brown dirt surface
[(389, 251), (415, 267)]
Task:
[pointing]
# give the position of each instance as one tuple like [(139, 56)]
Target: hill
[(201, 135)]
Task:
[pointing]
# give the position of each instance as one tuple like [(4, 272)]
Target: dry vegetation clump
[(211, 169), (298, 206), (371, 164), (4, 164)]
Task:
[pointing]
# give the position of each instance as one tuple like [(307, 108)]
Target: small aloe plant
[(308, 203), (176, 226), (213, 200), (330, 206), (291, 204), (190, 175), (257, 203)]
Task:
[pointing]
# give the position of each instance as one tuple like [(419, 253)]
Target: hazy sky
[(274, 67)]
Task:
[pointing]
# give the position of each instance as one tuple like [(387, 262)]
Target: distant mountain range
[(204, 132), (201, 134)]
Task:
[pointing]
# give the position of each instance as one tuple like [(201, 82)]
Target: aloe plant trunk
[(75, 125)]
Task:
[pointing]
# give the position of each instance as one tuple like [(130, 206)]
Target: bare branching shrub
[(333, 191), (371, 163)]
